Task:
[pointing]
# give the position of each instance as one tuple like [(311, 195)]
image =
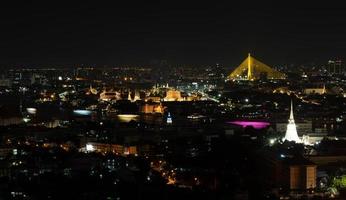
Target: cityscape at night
[(155, 100)]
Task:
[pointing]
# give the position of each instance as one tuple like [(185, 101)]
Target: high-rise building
[(335, 67)]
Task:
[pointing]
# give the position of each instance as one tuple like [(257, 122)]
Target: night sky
[(95, 33)]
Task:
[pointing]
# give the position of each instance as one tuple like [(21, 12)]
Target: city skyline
[(172, 100)]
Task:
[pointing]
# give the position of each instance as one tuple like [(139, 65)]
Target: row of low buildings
[(167, 94)]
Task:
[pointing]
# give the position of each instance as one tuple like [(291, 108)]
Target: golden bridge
[(252, 69)]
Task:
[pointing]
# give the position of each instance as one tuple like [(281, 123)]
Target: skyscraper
[(335, 67)]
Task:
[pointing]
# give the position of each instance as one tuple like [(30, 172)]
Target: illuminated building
[(38, 79), (152, 108), (291, 173), (114, 148), (128, 117), (334, 67), (173, 95), (132, 150), (169, 118), (253, 124), (192, 98), (301, 174), (31, 111), (137, 96), (282, 90), (108, 96), (47, 96), (315, 90), (303, 127), (153, 99), (291, 131), (252, 69)]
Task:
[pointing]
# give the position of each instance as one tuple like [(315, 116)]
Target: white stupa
[(291, 132)]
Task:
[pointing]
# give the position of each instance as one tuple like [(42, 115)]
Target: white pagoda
[(291, 132)]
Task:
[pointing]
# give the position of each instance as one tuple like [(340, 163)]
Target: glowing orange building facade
[(152, 108), (173, 95)]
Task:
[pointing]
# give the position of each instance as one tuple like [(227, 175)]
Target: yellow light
[(250, 65), (127, 117)]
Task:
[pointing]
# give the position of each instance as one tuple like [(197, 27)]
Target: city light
[(89, 147), (272, 141), (254, 124), (160, 100), (31, 110), (82, 112)]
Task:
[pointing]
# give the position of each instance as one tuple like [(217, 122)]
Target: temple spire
[(291, 131), (291, 113)]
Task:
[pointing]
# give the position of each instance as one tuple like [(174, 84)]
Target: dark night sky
[(91, 32)]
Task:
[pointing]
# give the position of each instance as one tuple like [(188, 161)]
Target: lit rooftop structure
[(109, 95), (291, 132), (173, 95), (254, 124)]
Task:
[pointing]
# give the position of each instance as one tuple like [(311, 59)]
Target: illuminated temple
[(252, 69), (291, 132)]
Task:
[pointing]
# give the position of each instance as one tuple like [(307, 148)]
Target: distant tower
[(169, 118), (291, 132)]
